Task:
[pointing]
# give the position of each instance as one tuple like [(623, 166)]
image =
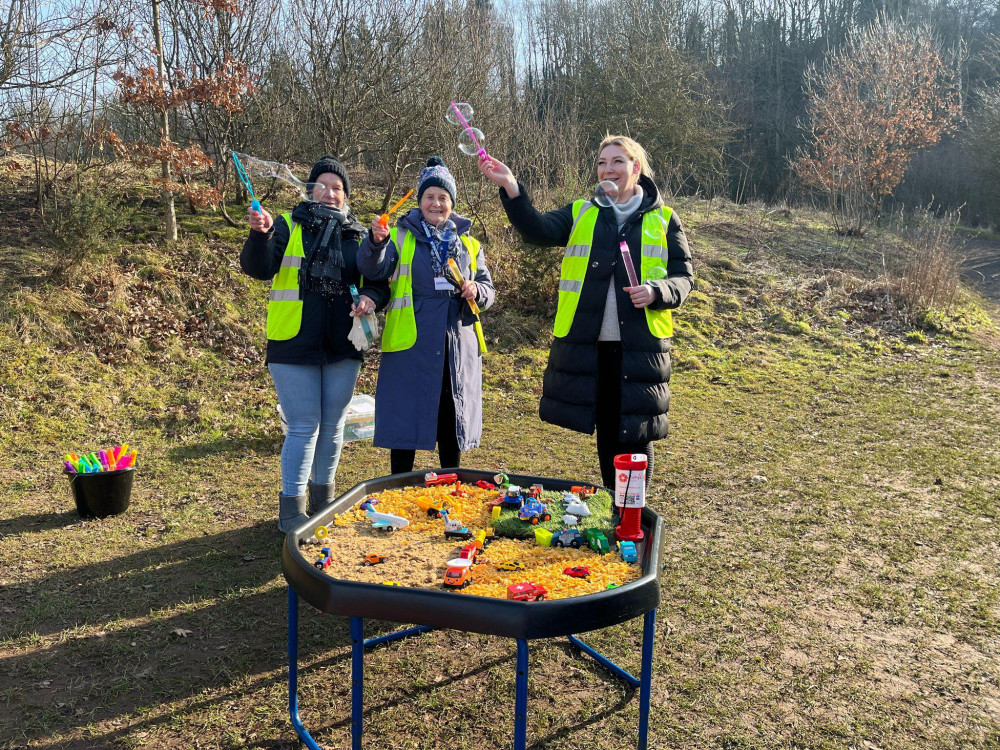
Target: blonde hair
[(631, 148)]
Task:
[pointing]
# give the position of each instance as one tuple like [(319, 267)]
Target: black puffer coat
[(326, 323), (569, 390)]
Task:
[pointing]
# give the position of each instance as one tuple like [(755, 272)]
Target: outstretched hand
[(496, 171), (260, 222), (379, 230)]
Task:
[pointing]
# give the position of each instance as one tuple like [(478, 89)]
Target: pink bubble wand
[(481, 152)]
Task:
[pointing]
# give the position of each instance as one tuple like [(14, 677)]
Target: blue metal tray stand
[(359, 644)]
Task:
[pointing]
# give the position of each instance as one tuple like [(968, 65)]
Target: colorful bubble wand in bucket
[(470, 139), (110, 459), (383, 220), (245, 179)]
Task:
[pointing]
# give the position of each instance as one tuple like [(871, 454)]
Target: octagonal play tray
[(478, 614)]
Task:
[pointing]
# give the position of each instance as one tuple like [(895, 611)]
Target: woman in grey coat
[(430, 377)]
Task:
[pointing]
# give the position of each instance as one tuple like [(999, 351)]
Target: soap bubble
[(447, 232), (457, 111), (606, 193), (654, 232), (470, 141)]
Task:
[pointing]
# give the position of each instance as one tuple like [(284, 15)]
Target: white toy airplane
[(386, 521)]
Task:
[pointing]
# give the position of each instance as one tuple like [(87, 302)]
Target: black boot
[(320, 495)]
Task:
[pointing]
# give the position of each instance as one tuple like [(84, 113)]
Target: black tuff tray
[(477, 614)]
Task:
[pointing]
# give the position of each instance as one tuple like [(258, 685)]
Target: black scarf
[(323, 271)]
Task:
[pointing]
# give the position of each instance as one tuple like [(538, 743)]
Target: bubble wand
[(471, 131), (383, 220), (455, 277), (242, 174)]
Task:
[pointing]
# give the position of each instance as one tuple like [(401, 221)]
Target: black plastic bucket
[(104, 493)]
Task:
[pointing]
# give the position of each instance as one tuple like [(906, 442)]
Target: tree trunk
[(168, 197)]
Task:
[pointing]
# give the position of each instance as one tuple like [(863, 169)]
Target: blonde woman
[(609, 364)]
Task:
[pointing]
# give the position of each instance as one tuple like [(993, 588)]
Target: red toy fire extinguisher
[(630, 495)]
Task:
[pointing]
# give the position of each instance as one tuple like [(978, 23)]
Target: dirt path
[(981, 267)]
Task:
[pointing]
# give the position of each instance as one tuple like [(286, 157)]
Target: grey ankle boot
[(291, 512), (320, 495)]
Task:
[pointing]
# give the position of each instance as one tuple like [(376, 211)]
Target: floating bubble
[(470, 141), (459, 113), (654, 232), (447, 232), (606, 193)]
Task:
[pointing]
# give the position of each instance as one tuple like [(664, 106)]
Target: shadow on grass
[(38, 522), (225, 630)]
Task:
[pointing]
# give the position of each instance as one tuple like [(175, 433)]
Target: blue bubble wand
[(242, 174)]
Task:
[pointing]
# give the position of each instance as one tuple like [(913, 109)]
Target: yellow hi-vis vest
[(284, 306), (400, 331), (577, 257)]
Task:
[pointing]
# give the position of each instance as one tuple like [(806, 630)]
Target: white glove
[(357, 334)]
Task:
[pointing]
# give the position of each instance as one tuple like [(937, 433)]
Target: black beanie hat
[(329, 163), (436, 174)]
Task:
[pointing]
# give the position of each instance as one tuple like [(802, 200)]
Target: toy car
[(577, 571), (569, 538), (484, 485), (511, 566), (469, 551), (598, 541), (391, 583), (454, 529), (457, 578), (432, 479), (373, 559), (434, 506), (512, 497), (627, 552), (324, 560), (534, 511), (526, 592)]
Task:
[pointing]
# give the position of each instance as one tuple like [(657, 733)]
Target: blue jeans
[(314, 399)]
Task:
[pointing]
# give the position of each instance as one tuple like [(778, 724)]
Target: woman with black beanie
[(310, 257)]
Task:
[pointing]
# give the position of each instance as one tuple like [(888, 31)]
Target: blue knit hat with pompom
[(436, 174)]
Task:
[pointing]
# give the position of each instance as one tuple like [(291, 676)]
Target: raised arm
[(547, 230)]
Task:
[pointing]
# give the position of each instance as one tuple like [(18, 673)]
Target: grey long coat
[(409, 381)]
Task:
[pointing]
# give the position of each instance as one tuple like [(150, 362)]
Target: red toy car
[(484, 485), (432, 479), (577, 571), (526, 592), (469, 551)]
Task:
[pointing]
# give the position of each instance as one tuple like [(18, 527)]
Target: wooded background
[(727, 95)]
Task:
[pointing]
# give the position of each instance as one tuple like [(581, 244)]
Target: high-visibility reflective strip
[(652, 251), (400, 302), (284, 295), (566, 285), (404, 269), (577, 251), (291, 261)]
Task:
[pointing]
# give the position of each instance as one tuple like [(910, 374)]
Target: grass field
[(830, 491)]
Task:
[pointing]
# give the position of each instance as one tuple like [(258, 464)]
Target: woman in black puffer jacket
[(609, 364), (310, 258)]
